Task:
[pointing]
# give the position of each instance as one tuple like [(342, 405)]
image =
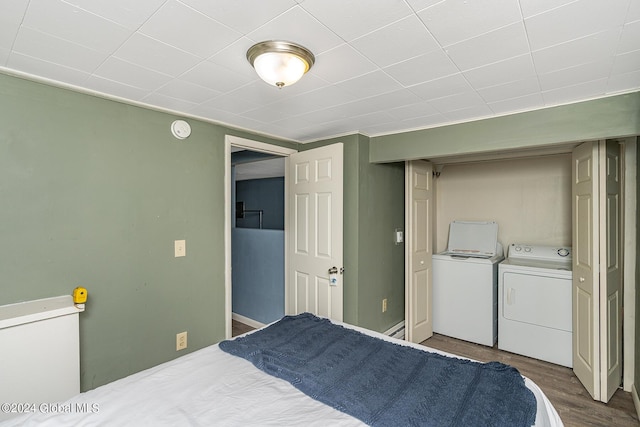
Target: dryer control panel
[(540, 252)]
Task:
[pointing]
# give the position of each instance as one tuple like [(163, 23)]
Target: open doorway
[(257, 149), (257, 236)]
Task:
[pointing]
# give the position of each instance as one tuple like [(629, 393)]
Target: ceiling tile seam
[(36, 77), (551, 9), (75, 6), (111, 54), (13, 42), (530, 53), (13, 49)]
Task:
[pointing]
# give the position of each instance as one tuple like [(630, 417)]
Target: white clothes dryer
[(535, 303)]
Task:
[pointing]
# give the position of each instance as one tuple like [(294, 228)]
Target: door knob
[(582, 279), (333, 270)]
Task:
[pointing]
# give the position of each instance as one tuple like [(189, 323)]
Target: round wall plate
[(180, 129)]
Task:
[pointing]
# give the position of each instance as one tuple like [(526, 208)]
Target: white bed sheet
[(210, 387)]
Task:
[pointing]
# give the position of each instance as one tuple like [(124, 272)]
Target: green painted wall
[(636, 380), (94, 192), (373, 209), (616, 116)]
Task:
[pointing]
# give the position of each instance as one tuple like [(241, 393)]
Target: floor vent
[(396, 331)]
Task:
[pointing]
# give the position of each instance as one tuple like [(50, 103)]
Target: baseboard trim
[(636, 400), (247, 321)]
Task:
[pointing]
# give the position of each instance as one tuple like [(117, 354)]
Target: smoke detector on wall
[(180, 129)]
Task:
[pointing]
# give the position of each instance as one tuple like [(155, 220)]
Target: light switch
[(398, 236), (180, 248)]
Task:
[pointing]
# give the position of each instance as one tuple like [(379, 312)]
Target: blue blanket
[(385, 384)]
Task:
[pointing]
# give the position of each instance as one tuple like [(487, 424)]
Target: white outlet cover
[(180, 248)]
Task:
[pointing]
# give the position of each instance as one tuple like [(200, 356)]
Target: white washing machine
[(465, 283), (535, 304)]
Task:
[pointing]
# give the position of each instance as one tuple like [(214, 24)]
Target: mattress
[(209, 387)]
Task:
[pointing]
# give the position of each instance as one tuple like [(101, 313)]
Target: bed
[(212, 386)]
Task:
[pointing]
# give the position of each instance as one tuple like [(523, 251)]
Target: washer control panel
[(540, 252)]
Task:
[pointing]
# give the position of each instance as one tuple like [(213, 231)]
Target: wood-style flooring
[(574, 405)]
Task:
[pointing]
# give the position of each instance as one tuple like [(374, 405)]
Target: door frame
[(262, 147)]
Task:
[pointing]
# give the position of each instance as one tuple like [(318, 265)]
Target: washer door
[(537, 299)]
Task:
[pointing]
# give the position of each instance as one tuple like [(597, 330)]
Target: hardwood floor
[(568, 396), (238, 328), (574, 405)]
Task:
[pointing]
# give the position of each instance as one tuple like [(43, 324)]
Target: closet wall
[(529, 198)]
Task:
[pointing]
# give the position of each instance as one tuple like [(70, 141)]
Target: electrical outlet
[(181, 341), (384, 305), (180, 248)]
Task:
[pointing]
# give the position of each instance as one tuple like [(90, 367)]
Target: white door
[(418, 250), (315, 232), (611, 269), (596, 255)]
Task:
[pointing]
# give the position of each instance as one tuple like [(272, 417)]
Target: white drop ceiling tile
[(259, 93), (626, 63), (10, 19), (524, 103), (592, 89), (455, 83), (371, 119), (117, 70), (381, 46), (498, 45), (241, 15), (535, 7), (633, 14), (472, 18), (111, 87), (189, 30), (573, 21), (181, 89), (230, 103), (120, 11), (630, 38), (370, 84), (412, 111), (234, 57), (511, 69), (384, 102), (58, 51), (325, 97), (341, 63), (431, 66), (351, 19), (155, 55), (215, 77), (168, 102), (298, 26), (581, 51), (41, 68), (627, 82), (474, 112), (288, 121), (510, 90), (420, 123), (266, 114), (76, 25), (575, 75), (418, 5), (457, 102)]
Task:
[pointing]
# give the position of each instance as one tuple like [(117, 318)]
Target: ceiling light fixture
[(280, 63)]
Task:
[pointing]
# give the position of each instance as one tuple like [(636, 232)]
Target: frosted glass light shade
[(280, 63)]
